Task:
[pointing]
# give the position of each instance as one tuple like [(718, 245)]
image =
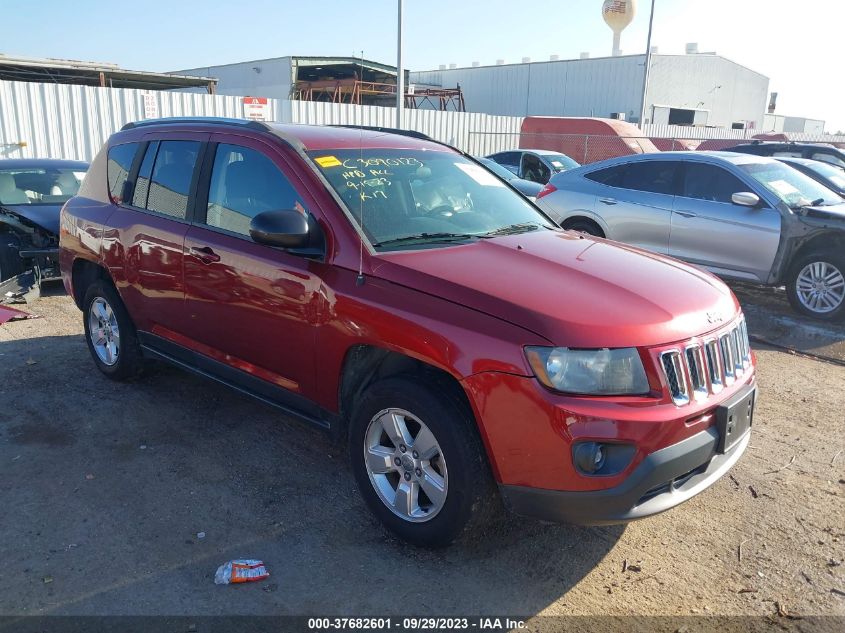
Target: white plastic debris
[(200, 535), (241, 570)]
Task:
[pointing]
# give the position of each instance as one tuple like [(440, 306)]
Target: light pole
[(400, 73), (647, 65)]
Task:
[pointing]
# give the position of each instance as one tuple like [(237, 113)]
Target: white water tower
[(618, 14)]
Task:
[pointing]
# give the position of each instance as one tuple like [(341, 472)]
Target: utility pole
[(647, 66), (400, 72)]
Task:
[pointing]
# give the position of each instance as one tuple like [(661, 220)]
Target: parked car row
[(739, 215), (397, 294)]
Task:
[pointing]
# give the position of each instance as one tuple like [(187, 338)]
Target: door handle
[(607, 200), (687, 214), (205, 254)]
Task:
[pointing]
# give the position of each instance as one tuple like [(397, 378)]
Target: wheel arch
[(820, 242), (365, 364), (582, 216), (84, 272)]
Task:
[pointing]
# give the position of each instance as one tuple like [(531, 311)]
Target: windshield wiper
[(514, 229), (426, 237)]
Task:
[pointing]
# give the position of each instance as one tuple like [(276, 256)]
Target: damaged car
[(32, 192)]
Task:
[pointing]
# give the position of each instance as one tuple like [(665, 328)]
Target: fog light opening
[(589, 457)]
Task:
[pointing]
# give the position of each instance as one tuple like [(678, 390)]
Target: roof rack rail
[(388, 130), (254, 125)]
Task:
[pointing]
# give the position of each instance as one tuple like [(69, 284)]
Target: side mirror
[(746, 199), (286, 228)]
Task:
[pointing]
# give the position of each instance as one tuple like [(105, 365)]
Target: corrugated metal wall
[(72, 122)]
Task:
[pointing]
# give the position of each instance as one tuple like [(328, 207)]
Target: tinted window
[(508, 158), (119, 165), (787, 154), (709, 182), (533, 169), (653, 176), (612, 176), (142, 182), (170, 183), (244, 183)]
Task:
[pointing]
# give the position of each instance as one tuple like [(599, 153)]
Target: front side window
[(170, 182), (533, 169), (710, 182), (119, 165), (790, 185), (415, 198), (244, 183)]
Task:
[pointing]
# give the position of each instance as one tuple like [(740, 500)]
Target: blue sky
[(797, 44)]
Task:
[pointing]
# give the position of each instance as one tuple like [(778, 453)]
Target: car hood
[(573, 290), (832, 212), (44, 215)]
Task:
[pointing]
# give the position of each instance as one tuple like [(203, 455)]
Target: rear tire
[(110, 333), (430, 484), (815, 285), (582, 225)]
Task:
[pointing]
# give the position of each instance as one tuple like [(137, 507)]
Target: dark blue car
[(32, 192)]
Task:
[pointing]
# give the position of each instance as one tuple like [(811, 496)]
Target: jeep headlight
[(600, 372)]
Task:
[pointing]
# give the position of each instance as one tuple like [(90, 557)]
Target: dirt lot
[(106, 486)]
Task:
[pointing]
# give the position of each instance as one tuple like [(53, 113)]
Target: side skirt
[(297, 406)]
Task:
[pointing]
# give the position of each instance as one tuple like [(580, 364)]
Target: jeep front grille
[(704, 368)]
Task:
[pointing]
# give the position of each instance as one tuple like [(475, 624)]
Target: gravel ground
[(106, 486)]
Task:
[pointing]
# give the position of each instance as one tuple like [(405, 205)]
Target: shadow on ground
[(108, 486)]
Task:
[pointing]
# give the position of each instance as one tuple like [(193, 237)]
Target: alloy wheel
[(405, 465), (820, 287), (103, 331)]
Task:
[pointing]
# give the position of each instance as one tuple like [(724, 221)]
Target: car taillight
[(549, 188)]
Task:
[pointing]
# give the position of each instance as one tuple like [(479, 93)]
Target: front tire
[(816, 285), (419, 462), (110, 333)]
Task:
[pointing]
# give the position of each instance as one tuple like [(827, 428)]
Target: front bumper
[(664, 479)]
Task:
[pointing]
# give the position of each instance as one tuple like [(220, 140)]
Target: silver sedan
[(740, 216)]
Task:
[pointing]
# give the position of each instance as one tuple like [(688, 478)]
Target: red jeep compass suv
[(391, 290)]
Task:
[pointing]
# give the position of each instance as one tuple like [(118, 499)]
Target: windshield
[(790, 185), (561, 162), (39, 185), (834, 174), (410, 198), (496, 168)]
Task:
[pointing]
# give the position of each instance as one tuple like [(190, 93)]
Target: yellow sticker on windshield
[(328, 161)]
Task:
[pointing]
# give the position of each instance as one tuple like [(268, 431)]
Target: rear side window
[(511, 159), (118, 167), (170, 182), (710, 182), (142, 182), (244, 183), (654, 176)]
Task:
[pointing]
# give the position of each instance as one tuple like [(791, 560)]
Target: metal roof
[(69, 71)]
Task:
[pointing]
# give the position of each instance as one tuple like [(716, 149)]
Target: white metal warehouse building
[(692, 89)]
